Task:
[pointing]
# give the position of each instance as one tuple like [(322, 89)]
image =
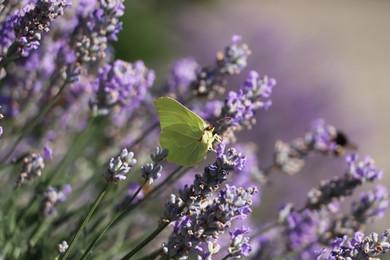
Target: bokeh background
[(331, 60)]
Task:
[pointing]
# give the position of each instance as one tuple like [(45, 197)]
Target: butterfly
[(185, 135)]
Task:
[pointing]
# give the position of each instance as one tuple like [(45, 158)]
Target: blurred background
[(331, 60)]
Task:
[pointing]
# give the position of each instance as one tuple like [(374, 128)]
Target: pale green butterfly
[(186, 136)]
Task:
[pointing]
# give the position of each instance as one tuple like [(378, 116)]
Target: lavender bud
[(30, 25), (62, 247), (239, 244), (120, 166), (32, 167), (159, 154), (360, 247), (51, 197), (355, 175), (151, 172)]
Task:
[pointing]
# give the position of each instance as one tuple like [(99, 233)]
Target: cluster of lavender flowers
[(83, 176)]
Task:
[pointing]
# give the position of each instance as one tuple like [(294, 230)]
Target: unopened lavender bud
[(151, 172), (159, 154), (62, 247), (120, 166)]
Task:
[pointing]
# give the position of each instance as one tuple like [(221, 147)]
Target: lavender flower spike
[(360, 247), (120, 87), (62, 247), (32, 167), (356, 174), (51, 197), (99, 27), (206, 221), (151, 172), (234, 59), (32, 23), (120, 166), (239, 244), (241, 106)]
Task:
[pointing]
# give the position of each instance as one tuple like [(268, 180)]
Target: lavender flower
[(240, 106), (120, 88), (32, 22), (303, 230), (356, 174), (151, 172), (371, 205), (51, 197), (7, 35), (360, 247), (32, 167), (62, 247), (210, 220), (210, 81), (159, 154), (321, 137), (239, 244), (96, 29), (215, 174), (1, 128), (120, 166), (183, 73)]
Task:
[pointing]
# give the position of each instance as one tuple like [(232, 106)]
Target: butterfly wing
[(184, 144), (181, 132), (171, 112)]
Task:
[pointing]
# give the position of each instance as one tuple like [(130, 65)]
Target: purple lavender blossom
[(213, 175), (121, 87), (32, 167), (96, 29), (240, 106), (355, 175), (360, 247), (302, 230), (120, 166), (7, 35), (239, 243), (321, 137), (372, 205), (206, 223), (51, 197), (151, 172), (32, 22), (234, 59), (210, 81), (183, 73)]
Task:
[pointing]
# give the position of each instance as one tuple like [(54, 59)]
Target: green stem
[(158, 187), (34, 122), (39, 231), (226, 257), (84, 223), (118, 215), (146, 241), (153, 255), (71, 153)]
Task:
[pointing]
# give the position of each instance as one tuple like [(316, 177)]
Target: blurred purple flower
[(51, 197)]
